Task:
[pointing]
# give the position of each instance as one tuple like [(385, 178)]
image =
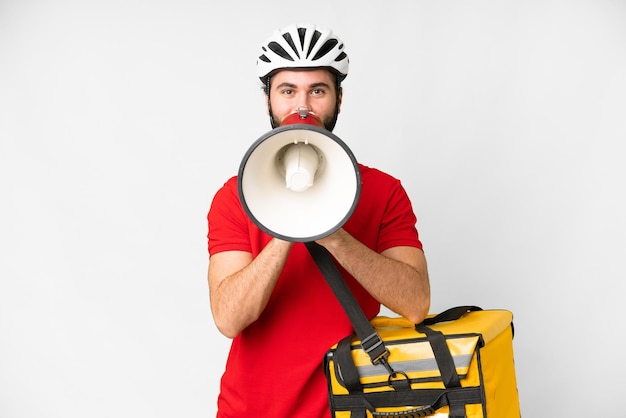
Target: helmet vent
[(301, 33), (279, 50), (289, 40), (316, 36), (325, 49)]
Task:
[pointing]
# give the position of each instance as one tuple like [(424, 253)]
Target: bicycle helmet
[(302, 46)]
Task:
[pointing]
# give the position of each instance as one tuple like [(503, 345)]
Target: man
[(267, 294)]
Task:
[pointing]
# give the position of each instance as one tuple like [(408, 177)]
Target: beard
[(329, 121)]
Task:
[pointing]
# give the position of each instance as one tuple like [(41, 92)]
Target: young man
[(267, 294)]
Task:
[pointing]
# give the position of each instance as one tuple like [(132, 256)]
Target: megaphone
[(299, 182)]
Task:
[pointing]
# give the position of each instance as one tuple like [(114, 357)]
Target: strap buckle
[(374, 347)]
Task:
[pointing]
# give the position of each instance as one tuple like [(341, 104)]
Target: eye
[(318, 92), (287, 92)]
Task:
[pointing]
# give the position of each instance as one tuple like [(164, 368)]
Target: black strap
[(371, 342), (349, 372), (432, 399), (444, 359), (451, 314), (446, 366)]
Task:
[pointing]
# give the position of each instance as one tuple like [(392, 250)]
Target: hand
[(335, 239)]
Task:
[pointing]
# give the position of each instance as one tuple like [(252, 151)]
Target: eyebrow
[(293, 86), (285, 84), (320, 84)]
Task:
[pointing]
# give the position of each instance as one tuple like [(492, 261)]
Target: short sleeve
[(228, 228), (398, 224)]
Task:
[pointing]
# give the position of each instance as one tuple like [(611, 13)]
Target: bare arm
[(397, 278), (240, 287)]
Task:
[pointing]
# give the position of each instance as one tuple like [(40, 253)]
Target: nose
[(303, 102)]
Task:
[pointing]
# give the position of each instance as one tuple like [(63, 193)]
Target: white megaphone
[(299, 182)]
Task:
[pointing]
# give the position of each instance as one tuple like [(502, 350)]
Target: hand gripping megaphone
[(299, 182)]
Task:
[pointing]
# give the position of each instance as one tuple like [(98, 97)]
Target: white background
[(120, 119)]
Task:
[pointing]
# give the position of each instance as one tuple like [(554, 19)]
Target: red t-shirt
[(274, 368)]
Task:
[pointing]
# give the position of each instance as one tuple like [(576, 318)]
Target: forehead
[(303, 77)]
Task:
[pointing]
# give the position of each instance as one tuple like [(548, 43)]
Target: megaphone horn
[(299, 182)]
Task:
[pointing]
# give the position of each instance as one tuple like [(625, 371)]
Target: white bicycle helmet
[(302, 46)]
